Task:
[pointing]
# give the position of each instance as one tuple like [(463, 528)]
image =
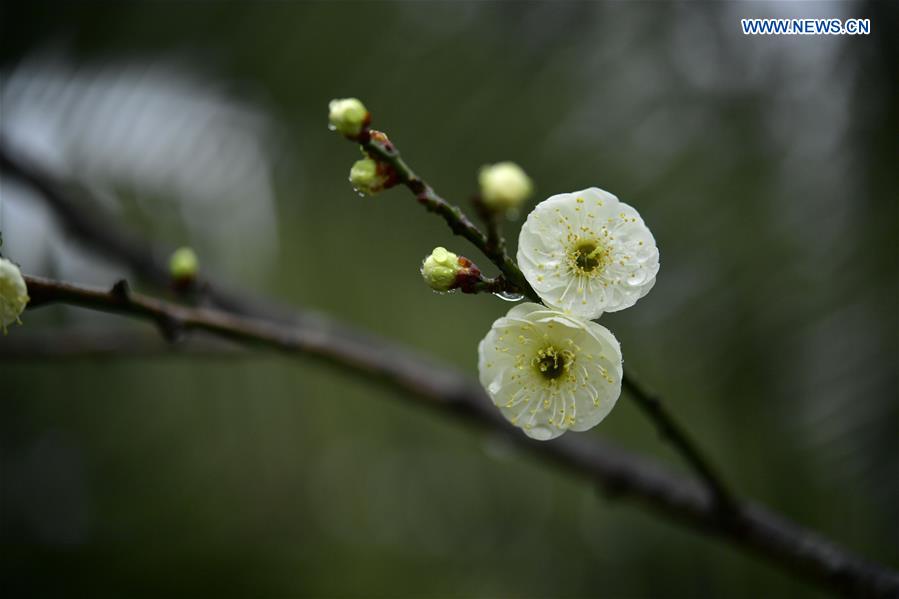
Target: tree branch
[(619, 473), (98, 232), (103, 235)]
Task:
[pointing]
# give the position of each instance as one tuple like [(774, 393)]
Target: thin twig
[(497, 284), (496, 243), (682, 441), (376, 144), (619, 473)]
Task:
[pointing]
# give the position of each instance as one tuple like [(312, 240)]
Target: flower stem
[(496, 243), (458, 222)]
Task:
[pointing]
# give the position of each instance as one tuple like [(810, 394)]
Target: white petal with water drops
[(549, 372), (587, 253)]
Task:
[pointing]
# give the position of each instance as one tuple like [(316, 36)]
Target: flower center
[(552, 363), (588, 257)]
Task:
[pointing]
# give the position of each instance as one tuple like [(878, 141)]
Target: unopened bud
[(13, 294), (444, 271), (439, 269), (184, 265), (348, 116), (369, 176), (504, 186)]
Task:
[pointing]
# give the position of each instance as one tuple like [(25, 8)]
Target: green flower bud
[(13, 294), (504, 186), (348, 116), (369, 176), (439, 270), (184, 264)]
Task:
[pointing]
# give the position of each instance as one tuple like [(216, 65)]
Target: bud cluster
[(350, 117)]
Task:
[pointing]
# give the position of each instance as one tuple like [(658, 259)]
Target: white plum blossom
[(549, 372), (586, 253), (13, 293)]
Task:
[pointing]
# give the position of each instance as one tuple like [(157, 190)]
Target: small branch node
[(121, 291)]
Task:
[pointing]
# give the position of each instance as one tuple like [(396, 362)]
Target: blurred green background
[(765, 167)]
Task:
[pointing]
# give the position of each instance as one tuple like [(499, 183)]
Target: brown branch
[(619, 473)]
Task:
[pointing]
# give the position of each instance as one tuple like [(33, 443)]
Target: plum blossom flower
[(586, 253), (549, 372)]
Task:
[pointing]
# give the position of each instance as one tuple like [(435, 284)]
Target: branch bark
[(618, 472)]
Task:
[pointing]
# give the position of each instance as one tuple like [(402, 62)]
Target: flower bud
[(440, 268), (445, 271), (504, 186), (369, 176), (348, 116), (184, 265), (13, 294)]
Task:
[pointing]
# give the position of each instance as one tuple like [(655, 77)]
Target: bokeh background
[(764, 165)]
